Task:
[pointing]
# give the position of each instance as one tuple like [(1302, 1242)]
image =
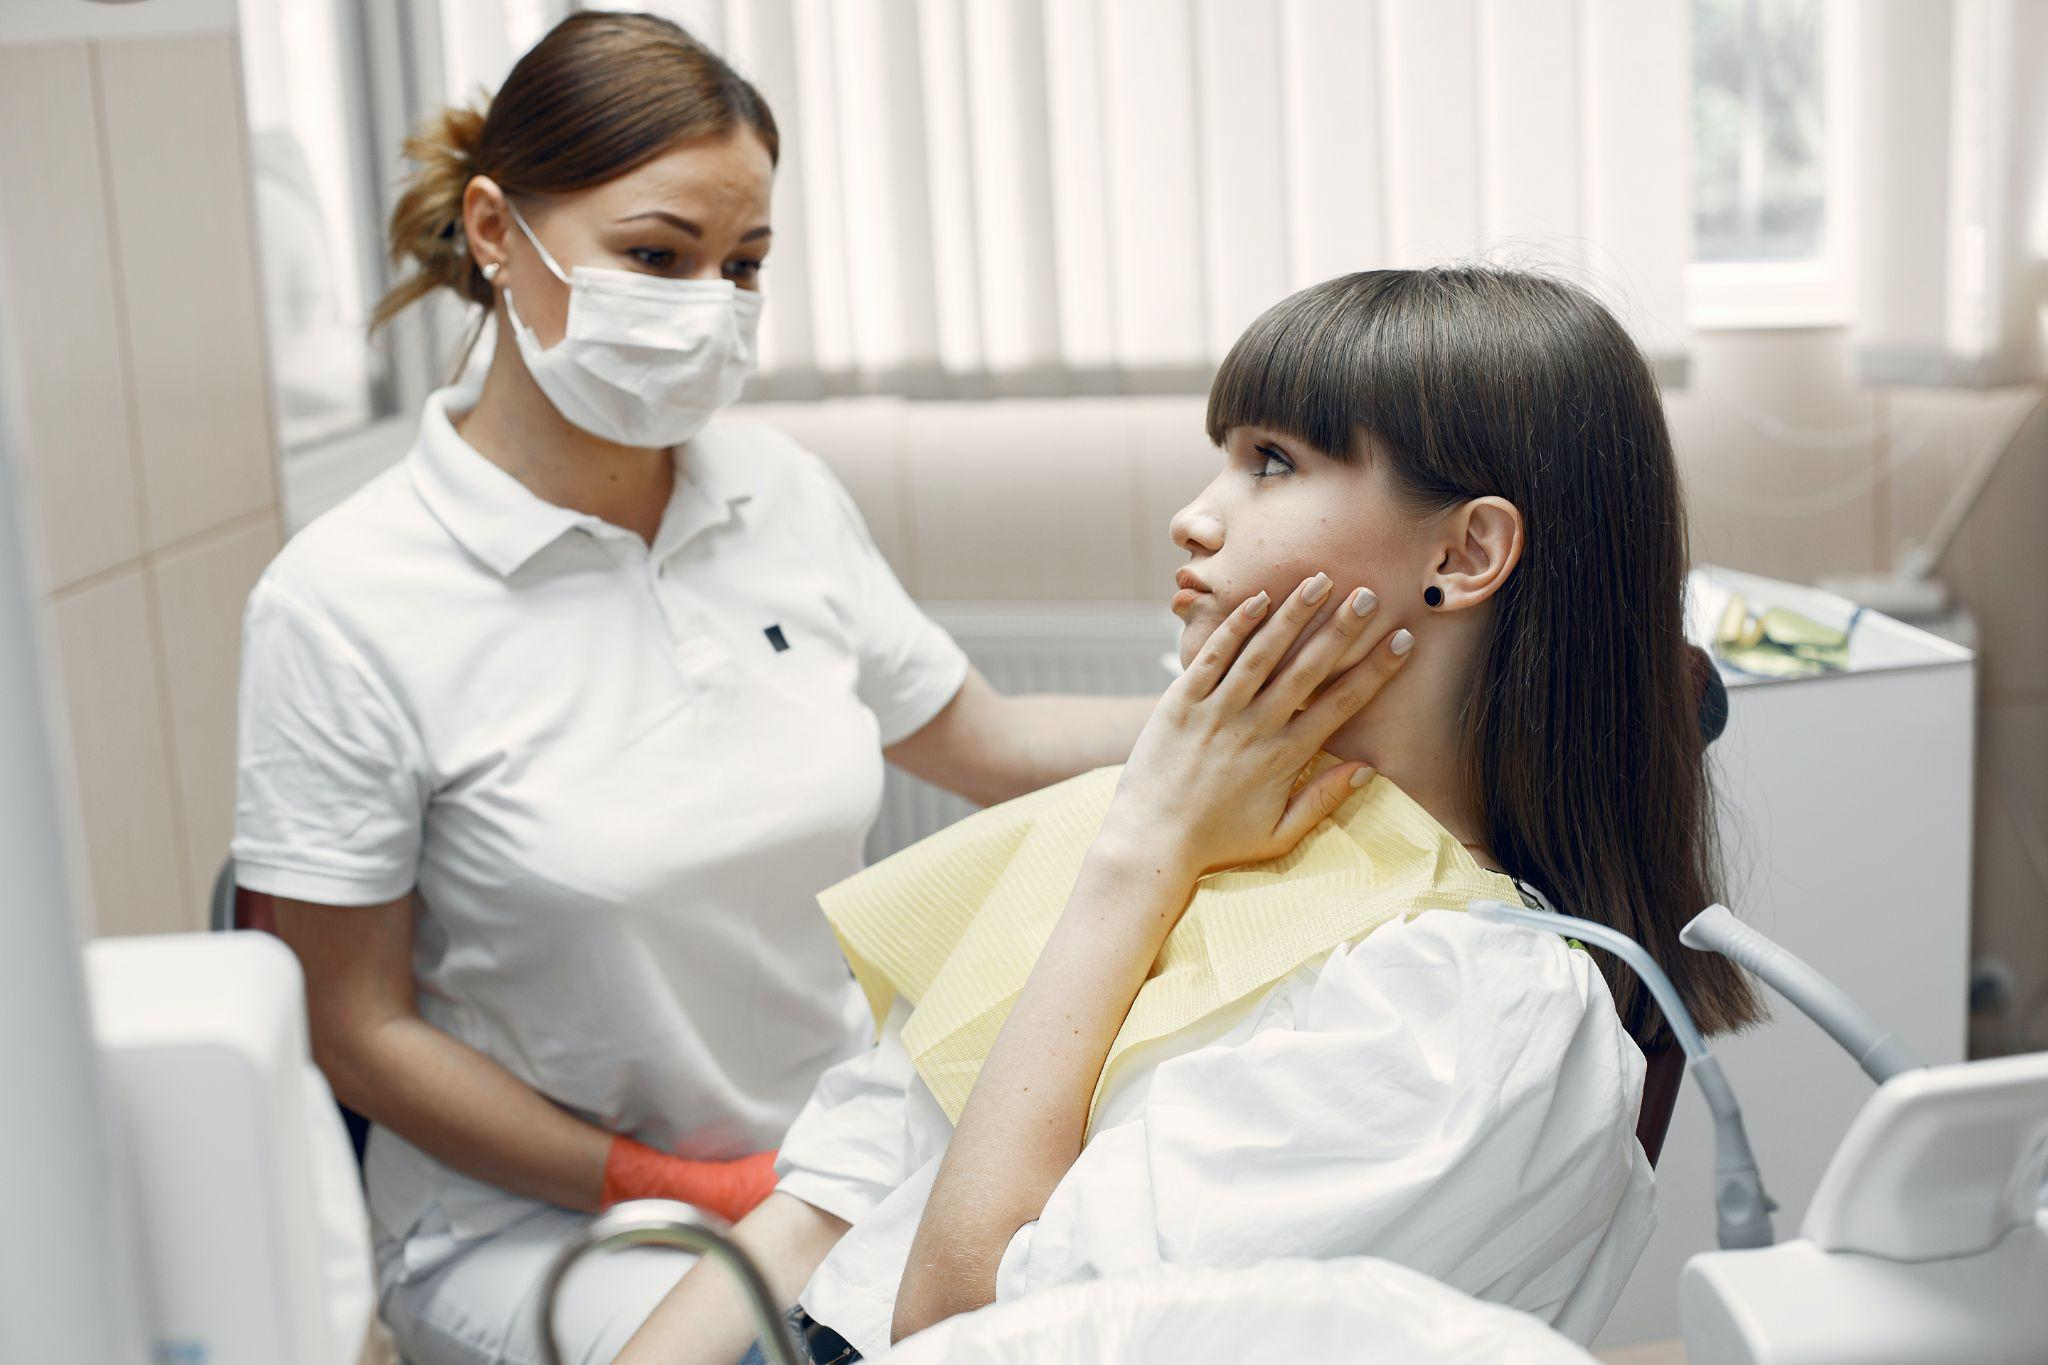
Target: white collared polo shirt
[(614, 775)]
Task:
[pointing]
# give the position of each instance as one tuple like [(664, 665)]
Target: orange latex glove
[(730, 1189)]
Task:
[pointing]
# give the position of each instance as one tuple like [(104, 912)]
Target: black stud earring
[(1433, 595)]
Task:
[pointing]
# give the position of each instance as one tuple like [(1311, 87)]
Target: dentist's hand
[(730, 1189), (1211, 783)]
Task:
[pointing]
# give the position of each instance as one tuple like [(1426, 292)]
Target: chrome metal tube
[(661, 1222), (1742, 1209)]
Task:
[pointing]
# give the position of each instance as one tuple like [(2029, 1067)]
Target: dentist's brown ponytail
[(426, 224)]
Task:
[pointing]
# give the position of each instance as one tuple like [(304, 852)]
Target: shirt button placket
[(691, 641)]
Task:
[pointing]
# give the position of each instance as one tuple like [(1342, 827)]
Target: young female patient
[(1220, 1006)]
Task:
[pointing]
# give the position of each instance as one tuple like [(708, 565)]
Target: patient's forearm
[(1023, 1125), (706, 1320)]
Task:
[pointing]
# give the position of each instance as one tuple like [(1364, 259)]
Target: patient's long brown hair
[(1582, 717)]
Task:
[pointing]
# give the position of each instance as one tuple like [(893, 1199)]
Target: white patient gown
[(1455, 1096)]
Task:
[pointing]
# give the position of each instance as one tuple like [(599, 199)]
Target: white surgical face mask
[(644, 361)]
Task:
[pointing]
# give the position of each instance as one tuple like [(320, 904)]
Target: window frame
[(394, 47), (1819, 291)]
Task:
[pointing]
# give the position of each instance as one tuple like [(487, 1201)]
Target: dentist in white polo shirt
[(551, 734)]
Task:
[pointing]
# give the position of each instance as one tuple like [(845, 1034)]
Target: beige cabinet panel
[(1030, 499), (1935, 437), (200, 590), (186, 247), (862, 440), (120, 758), (1777, 446), (60, 293), (1175, 463), (1998, 568)]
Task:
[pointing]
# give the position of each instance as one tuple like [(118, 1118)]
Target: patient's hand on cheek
[(1211, 783)]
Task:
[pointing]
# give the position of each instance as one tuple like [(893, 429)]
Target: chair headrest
[(1710, 694)]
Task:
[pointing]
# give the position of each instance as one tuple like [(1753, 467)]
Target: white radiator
[(1100, 648)]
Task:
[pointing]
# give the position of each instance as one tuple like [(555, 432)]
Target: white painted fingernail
[(1316, 589), (1362, 776), (1401, 643), (1256, 607), (1363, 601)]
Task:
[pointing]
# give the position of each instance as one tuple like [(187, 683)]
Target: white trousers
[(482, 1306)]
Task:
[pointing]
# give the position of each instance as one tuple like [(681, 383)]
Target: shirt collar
[(505, 524)]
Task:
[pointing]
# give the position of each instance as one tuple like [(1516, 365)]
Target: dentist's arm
[(1211, 784), (453, 1102), (387, 1063), (988, 747)]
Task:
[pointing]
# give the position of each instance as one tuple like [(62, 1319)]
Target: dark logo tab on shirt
[(776, 638)]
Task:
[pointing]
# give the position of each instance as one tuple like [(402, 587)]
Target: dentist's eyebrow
[(686, 225)]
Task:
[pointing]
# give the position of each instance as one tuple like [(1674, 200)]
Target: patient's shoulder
[(1451, 980)]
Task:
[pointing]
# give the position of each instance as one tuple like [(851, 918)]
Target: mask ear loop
[(546, 257)]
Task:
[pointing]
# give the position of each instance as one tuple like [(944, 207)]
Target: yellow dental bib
[(954, 924)]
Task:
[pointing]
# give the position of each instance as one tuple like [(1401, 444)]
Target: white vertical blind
[(1081, 261), (1534, 199), (1156, 229), (1953, 200), (1635, 73), (955, 266), (1336, 190), (761, 39), (885, 188), (1245, 203), (1010, 158), (1098, 195), (1430, 69), (809, 119)]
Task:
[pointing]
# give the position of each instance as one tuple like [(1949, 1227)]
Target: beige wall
[(131, 286), (1793, 469)]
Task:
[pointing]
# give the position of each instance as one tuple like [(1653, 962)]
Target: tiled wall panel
[(183, 236), (133, 315), (121, 756), (60, 289), (200, 589)]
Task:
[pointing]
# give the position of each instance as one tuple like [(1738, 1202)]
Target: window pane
[(317, 217), (1758, 173)]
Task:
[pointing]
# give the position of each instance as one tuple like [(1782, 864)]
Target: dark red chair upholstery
[(1667, 1067), (1660, 1096)]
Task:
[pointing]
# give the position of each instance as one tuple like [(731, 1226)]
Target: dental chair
[(1666, 1073), (1927, 1239)]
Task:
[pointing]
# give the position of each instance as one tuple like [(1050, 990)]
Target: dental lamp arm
[(1742, 1210)]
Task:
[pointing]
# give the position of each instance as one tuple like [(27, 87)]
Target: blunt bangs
[(1321, 366)]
